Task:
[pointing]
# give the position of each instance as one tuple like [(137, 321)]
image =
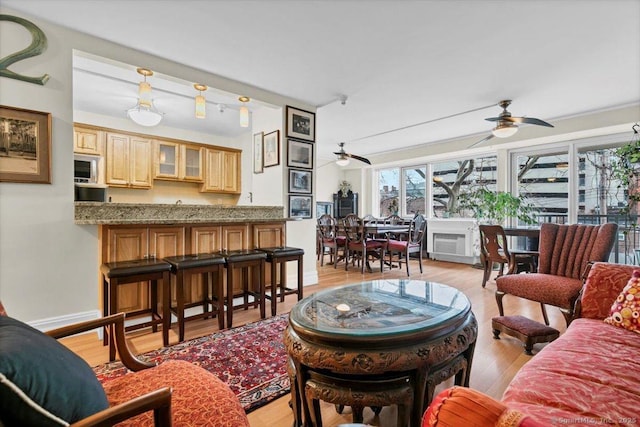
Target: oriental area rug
[(251, 359)]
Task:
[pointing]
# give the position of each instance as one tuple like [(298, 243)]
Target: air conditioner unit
[(452, 239)]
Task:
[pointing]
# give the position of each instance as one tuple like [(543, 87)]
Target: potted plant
[(625, 168), (495, 207)]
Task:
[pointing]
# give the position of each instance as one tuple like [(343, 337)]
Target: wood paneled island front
[(135, 231)]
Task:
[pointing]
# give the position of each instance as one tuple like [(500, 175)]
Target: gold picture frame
[(25, 146)]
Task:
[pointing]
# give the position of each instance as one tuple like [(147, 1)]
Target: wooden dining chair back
[(401, 250), (565, 253), (494, 250), (359, 247), (328, 238)]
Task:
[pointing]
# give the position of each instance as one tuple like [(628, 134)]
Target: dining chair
[(359, 247), (494, 249), (328, 238), (403, 249), (566, 253)]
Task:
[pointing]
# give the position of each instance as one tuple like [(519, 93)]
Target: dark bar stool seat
[(211, 266), (281, 255), (245, 260), (122, 272)]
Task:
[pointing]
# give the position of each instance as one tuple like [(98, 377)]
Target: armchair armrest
[(159, 401), (116, 323)]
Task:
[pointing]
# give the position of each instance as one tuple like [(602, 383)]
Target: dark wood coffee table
[(400, 336)]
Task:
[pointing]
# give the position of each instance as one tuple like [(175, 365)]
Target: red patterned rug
[(251, 359)]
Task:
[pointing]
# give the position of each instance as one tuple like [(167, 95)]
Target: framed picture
[(300, 154), (300, 206), (271, 149), (25, 146), (300, 181), (257, 152), (301, 124)]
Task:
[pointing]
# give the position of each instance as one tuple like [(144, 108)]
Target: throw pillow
[(43, 383), (625, 311)]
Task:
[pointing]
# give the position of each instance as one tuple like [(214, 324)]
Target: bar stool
[(281, 255), (211, 266), (122, 272), (245, 259)]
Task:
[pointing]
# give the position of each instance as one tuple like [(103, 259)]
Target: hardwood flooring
[(495, 362)]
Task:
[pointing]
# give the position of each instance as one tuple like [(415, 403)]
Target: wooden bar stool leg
[(166, 307), (218, 293), (113, 307), (245, 286), (300, 273), (229, 295), (274, 285), (153, 295), (180, 303), (105, 308), (206, 281), (283, 279), (262, 288)]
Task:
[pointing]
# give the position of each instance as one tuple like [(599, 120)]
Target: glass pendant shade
[(201, 107), (342, 161), (144, 116), (244, 117), (144, 94)]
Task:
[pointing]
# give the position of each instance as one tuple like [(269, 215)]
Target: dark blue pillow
[(43, 383)]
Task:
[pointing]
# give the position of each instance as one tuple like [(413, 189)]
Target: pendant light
[(201, 102), (144, 113), (244, 112)]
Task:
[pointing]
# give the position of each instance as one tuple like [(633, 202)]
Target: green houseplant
[(495, 207), (625, 168)]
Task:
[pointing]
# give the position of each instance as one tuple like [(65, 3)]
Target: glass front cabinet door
[(192, 163)]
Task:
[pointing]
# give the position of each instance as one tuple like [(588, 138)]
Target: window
[(389, 191), (414, 190), (452, 178), (543, 179)]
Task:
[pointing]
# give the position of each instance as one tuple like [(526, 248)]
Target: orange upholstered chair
[(565, 252), (45, 383)]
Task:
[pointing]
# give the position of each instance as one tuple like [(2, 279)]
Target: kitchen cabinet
[(222, 174), (178, 162), (128, 160), (88, 141)]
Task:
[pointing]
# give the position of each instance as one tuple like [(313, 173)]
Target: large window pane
[(388, 190), (544, 181), (452, 178), (414, 190)]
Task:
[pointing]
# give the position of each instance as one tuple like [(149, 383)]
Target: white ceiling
[(400, 63)]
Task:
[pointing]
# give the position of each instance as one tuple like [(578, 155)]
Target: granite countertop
[(133, 213)]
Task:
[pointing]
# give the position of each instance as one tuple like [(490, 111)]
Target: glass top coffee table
[(392, 338)]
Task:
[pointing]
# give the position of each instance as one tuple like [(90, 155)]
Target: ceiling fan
[(343, 157), (507, 125)]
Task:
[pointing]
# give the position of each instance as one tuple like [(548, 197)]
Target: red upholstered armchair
[(565, 253)]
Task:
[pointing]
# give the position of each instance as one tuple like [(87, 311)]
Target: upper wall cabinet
[(128, 161), (178, 162), (88, 141), (222, 171)]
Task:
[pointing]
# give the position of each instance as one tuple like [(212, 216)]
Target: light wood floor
[(494, 365)]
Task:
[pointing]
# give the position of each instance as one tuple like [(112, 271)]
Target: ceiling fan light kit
[(504, 130)]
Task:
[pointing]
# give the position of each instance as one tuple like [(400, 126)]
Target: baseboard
[(308, 278), (68, 319)]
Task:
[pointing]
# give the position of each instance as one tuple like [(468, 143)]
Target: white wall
[(49, 265)]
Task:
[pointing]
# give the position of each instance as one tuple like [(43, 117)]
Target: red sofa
[(589, 376)]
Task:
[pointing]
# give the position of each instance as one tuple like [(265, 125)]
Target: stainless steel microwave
[(85, 168)]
